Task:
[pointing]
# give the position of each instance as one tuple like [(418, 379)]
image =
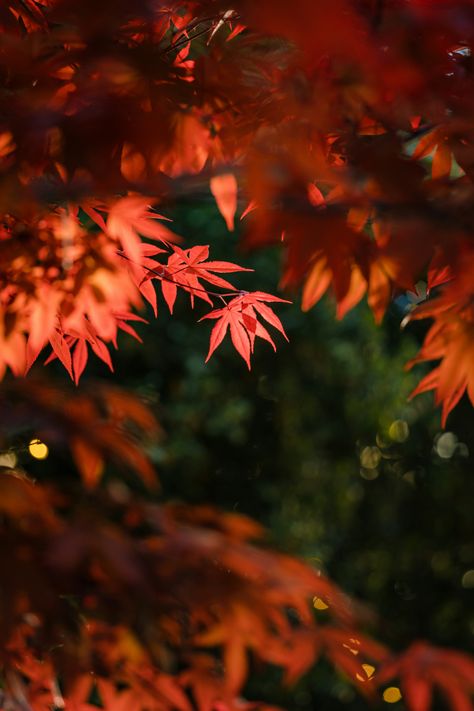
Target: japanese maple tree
[(341, 131)]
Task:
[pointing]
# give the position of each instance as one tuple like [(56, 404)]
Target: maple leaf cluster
[(80, 243), (351, 147), (78, 291)]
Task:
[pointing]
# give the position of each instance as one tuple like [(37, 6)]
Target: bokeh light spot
[(467, 580), (370, 457), (38, 449), (392, 695), (399, 431), (369, 670), (319, 604), (446, 445)]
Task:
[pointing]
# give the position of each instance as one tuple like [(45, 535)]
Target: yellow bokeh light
[(319, 604), (392, 695), (370, 457), (38, 449), (352, 646), (399, 431), (369, 670)]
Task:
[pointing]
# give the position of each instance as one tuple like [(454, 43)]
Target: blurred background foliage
[(320, 444)]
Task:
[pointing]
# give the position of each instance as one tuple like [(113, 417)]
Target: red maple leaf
[(450, 340), (241, 316), (185, 269)]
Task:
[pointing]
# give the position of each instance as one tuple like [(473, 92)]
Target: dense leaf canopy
[(341, 132)]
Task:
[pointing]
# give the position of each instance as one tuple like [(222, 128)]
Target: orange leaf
[(224, 189), (88, 460)]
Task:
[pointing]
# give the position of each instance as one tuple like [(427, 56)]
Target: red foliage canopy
[(347, 128), (352, 143)]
